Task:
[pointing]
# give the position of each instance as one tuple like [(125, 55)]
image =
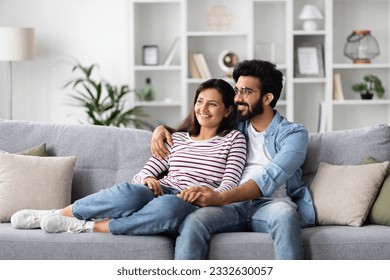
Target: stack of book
[(198, 66)]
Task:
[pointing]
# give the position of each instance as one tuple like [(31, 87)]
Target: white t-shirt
[(257, 158)]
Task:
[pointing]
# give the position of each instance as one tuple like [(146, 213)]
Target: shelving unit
[(278, 36), (347, 16), (262, 29), (157, 22)]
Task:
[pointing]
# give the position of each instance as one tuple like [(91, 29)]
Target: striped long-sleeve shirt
[(216, 163)]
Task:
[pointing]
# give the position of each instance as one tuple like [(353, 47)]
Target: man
[(271, 197)]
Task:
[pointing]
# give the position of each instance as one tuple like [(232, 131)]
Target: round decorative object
[(226, 61), (361, 46), (218, 18)]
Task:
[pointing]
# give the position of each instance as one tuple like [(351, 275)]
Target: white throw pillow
[(344, 194), (34, 183)]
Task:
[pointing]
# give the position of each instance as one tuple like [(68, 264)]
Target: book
[(193, 67), (337, 88), (202, 66), (172, 51)]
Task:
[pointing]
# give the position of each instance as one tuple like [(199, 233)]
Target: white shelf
[(373, 102), (249, 36), (309, 33), (344, 22), (215, 34), (352, 66), (273, 1), (156, 1), (282, 103), (309, 80), (281, 66), (157, 103), (157, 68)]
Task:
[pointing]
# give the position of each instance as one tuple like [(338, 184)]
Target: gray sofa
[(111, 155)]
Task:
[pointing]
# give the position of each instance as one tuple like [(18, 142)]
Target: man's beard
[(258, 109)]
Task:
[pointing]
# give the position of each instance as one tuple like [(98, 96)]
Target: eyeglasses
[(244, 91)]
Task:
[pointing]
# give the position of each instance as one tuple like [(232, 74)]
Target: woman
[(206, 151)]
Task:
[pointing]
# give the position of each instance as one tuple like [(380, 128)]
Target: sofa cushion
[(344, 194), (34, 183), (369, 242), (38, 151), (38, 245), (380, 211), (105, 155)]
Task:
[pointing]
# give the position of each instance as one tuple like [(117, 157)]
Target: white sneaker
[(56, 223), (29, 219)]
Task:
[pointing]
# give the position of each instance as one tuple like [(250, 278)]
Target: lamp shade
[(16, 43), (310, 12)]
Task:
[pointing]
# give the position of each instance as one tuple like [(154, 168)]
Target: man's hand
[(159, 137), (154, 185), (202, 196)]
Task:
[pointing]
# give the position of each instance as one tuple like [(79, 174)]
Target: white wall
[(93, 31)]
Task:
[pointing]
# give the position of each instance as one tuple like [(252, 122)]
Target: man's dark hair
[(271, 79)]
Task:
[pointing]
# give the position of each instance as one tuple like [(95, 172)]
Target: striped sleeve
[(235, 163), (153, 168)]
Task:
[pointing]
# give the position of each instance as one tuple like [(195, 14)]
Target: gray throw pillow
[(344, 194), (29, 182)]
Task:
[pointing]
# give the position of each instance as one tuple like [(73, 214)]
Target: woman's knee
[(136, 195), (173, 206)]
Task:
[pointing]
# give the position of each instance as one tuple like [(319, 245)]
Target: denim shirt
[(286, 143)]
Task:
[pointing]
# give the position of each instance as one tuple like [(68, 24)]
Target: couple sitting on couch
[(205, 167)]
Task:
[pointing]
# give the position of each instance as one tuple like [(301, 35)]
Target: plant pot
[(366, 95)]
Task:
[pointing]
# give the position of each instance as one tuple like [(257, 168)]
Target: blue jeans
[(134, 210), (279, 218)]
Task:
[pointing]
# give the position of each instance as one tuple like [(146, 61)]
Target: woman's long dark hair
[(191, 124)]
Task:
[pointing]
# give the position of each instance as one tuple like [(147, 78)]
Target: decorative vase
[(219, 18), (361, 46)]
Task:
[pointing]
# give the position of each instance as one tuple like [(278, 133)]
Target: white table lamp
[(15, 44), (309, 14)]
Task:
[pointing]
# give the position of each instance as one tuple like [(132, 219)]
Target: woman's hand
[(154, 185), (202, 196), (159, 137), (190, 195)]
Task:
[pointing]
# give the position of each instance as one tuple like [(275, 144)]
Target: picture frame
[(150, 55), (309, 61)]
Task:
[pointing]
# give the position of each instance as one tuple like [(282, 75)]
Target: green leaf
[(103, 102)]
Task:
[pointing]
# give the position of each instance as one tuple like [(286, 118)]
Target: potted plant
[(370, 85), (103, 102)]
